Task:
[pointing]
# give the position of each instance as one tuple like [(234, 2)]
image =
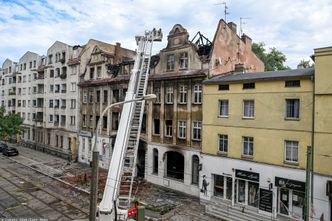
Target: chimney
[(245, 38), (239, 68), (300, 66), (232, 26)]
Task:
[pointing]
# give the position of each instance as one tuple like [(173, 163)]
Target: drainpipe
[(313, 138)]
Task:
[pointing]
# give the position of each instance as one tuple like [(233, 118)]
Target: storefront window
[(242, 191), (284, 201), (298, 204), (219, 186), (253, 194), (229, 188)]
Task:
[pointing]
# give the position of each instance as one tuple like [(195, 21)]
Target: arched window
[(155, 161), (195, 173)]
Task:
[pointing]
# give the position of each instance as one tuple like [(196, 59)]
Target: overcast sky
[(294, 27)]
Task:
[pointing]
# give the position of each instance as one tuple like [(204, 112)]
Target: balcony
[(63, 91), (56, 123), (12, 93), (63, 107)]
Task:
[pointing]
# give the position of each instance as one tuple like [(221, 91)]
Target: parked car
[(2, 146), (10, 151)]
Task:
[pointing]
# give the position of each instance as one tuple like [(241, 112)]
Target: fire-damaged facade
[(173, 126), (173, 132), (103, 81)]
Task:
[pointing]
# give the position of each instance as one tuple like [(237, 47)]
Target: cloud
[(293, 27)]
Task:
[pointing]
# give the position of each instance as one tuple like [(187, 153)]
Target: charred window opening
[(155, 161), (115, 121), (154, 61), (175, 165), (122, 68), (195, 171)]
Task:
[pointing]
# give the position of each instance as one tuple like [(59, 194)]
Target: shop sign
[(85, 133), (265, 200), (247, 175), (290, 184)]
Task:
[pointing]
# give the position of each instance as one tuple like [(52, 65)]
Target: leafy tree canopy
[(273, 59), (10, 124), (306, 64)]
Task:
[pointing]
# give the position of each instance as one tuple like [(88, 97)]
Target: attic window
[(177, 30), (170, 62), (223, 87), (249, 85), (184, 60), (293, 83)]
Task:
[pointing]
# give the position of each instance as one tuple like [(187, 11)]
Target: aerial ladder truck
[(117, 196)]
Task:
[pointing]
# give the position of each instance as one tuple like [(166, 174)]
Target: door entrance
[(284, 201)]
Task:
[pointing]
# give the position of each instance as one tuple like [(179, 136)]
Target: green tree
[(10, 124), (273, 60), (306, 64)]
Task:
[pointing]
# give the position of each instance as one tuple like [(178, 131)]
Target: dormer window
[(170, 62), (184, 60)]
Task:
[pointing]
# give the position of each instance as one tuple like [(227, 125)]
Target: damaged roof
[(117, 79), (179, 74), (268, 75)]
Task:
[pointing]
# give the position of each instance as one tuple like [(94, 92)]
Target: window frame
[(197, 129), (170, 62), (168, 128), (293, 110), (197, 93), (182, 129), (253, 109), (247, 144), (220, 108), (223, 139), (157, 92), (183, 61), (291, 160), (183, 93), (169, 95)]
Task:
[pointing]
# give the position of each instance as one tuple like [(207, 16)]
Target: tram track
[(17, 173)]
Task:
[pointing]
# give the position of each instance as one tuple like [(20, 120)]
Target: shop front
[(222, 187), (246, 188), (291, 195)]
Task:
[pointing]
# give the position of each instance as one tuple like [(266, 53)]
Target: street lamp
[(95, 155)]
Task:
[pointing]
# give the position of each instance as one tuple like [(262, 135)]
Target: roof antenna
[(225, 9), (242, 23)]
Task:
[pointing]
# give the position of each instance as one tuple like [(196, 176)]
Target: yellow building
[(256, 129)]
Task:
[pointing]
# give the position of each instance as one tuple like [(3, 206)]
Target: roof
[(117, 79), (259, 76), (178, 74)]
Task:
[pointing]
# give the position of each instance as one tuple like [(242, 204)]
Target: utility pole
[(308, 185)]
